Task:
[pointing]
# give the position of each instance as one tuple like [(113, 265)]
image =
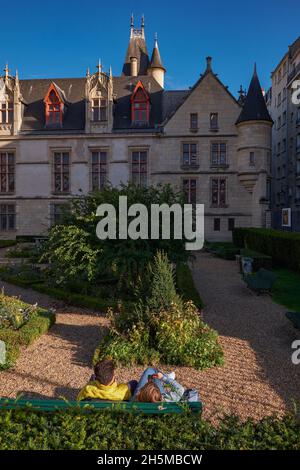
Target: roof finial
[(110, 71), (208, 64), (155, 40), (143, 21), (17, 75), (6, 70), (132, 21), (99, 66), (88, 72), (255, 71)]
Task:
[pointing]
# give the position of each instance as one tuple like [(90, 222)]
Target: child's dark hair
[(104, 371)]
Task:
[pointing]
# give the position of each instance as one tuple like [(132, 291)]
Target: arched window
[(140, 105), (54, 107)]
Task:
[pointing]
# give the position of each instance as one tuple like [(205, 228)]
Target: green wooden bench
[(262, 281), (294, 317), (132, 407)]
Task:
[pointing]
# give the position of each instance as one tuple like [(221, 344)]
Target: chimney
[(133, 66)]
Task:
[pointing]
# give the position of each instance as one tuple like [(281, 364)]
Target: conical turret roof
[(255, 108)]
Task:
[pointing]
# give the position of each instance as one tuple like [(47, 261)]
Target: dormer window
[(6, 112), (99, 109), (54, 106), (140, 105)]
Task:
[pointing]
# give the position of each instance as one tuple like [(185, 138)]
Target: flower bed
[(20, 325)]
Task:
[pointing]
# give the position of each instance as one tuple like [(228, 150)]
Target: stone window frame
[(219, 165), (7, 152), (54, 150), (218, 205), (7, 214), (195, 178), (139, 148), (100, 109), (190, 164), (98, 149)]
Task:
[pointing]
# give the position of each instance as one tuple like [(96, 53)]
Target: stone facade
[(285, 139), (53, 139)]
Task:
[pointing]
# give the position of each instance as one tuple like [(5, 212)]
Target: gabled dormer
[(55, 103), (99, 101), (140, 106), (10, 104)]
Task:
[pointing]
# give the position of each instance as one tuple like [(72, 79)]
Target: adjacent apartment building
[(285, 141), (61, 137)]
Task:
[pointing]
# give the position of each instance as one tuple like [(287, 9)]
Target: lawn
[(287, 289)]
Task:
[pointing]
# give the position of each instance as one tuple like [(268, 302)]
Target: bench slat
[(134, 407)]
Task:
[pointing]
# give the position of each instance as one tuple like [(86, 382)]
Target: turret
[(156, 69), (254, 148)]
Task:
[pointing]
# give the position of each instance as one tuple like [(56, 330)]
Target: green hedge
[(186, 287), (283, 247), (74, 430), (6, 243), (93, 303), (38, 324)]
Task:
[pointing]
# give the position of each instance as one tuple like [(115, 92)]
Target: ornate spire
[(156, 61), (87, 73), (6, 70), (99, 66)]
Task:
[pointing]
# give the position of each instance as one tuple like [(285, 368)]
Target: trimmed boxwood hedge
[(39, 323), (6, 243), (26, 429), (283, 247), (186, 287)]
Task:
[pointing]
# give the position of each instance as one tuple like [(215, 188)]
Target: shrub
[(75, 251), (283, 247), (186, 287), (38, 322), (77, 430), (162, 328), (183, 339), (6, 243)]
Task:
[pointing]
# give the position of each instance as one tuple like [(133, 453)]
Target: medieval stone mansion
[(60, 137)]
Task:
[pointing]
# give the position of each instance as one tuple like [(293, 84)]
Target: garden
[(147, 291)]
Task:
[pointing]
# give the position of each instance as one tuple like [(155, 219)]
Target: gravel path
[(258, 378)]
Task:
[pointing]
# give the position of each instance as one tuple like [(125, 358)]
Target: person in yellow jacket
[(103, 385)]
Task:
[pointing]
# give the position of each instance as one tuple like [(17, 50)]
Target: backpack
[(190, 395)]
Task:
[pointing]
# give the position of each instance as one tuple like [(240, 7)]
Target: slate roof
[(124, 87), (255, 108), (73, 90), (34, 92)]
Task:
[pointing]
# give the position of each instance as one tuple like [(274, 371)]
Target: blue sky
[(61, 39)]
